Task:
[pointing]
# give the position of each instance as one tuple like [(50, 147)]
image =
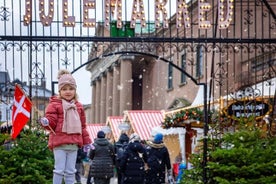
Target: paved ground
[(112, 181)]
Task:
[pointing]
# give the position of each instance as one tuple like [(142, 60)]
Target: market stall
[(143, 121), (93, 130), (113, 122)]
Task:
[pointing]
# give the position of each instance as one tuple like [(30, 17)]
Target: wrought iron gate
[(40, 37), (235, 41)]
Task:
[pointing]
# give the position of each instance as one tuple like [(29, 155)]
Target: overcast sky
[(18, 69)]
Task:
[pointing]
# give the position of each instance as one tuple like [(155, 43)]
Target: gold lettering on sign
[(68, 21), (224, 18), (160, 8), (202, 9), (110, 6), (183, 17), (46, 20), (182, 10), (28, 12), (138, 13), (88, 5)]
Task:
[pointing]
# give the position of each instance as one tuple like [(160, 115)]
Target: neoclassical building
[(130, 75)]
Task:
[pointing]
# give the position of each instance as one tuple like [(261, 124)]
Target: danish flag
[(21, 111)]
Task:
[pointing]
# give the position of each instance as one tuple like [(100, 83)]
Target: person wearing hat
[(103, 160), (158, 161), (65, 120), (132, 164), (120, 147)]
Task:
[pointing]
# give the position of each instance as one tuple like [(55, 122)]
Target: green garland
[(178, 119)]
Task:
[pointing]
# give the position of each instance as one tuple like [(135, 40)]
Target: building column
[(103, 100), (116, 92), (93, 104), (97, 101), (109, 96), (126, 84)]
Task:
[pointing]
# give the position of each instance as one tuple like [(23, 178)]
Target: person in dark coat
[(79, 165), (103, 160), (158, 161), (120, 144), (132, 163)]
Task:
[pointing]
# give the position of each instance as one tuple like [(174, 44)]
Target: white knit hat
[(134, 137)]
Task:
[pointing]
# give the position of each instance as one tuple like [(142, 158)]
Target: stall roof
[(93, 130), (143, 122), (113, 122)]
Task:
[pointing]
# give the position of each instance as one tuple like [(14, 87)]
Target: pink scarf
[(72, 123)]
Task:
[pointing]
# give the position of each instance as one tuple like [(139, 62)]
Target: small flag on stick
[(21, 111)]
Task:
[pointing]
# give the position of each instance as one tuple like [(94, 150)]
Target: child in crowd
[(65, 119)]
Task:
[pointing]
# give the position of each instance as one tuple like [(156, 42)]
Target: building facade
[(131, 81)]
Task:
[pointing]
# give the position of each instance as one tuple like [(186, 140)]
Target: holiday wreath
[(179, 118)]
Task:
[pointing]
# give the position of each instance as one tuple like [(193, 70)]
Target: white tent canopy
[(199, 99)]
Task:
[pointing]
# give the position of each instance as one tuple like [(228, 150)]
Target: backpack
[(154, 162), (121, 150)]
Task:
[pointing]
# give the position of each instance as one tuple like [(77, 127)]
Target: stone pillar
[(116, 92), (103, 100), (93, 104), (97, 101), (126, 84), (109, 95)]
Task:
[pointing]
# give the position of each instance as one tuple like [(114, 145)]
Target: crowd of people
[(131, 159)]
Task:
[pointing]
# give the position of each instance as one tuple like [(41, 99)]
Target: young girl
[(65, 119)]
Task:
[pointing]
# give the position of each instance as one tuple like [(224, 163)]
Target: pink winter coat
[(55, 115)]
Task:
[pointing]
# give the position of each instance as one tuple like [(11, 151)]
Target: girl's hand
[(44, 121)]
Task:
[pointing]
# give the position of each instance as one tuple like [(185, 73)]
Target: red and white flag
[(21, 111)]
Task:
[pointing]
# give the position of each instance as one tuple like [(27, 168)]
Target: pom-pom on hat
[(158, 138), (134, 137), (101, 134), (65, 78)]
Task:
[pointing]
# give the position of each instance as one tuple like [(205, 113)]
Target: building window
[(170, 76), (183, 67), (199, 61)]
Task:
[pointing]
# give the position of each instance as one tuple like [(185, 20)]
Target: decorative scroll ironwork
[(248, 92), (37, 74), (65, 62), (4, 13)]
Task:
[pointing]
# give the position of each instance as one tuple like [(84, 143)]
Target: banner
[(21, 111)]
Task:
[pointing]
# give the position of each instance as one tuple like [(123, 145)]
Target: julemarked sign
[(113, 10)]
